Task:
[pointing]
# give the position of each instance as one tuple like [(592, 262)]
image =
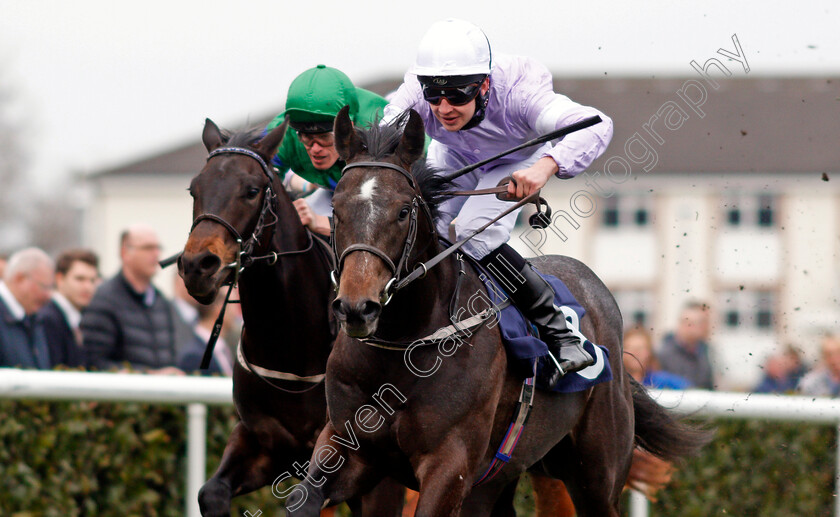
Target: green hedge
[(102, 459), (98, 459), (756, 468)]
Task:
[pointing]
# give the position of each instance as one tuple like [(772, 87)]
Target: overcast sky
[(101, 83)]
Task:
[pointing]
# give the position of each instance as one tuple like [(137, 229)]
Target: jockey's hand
[(527, 181), (316, 223)]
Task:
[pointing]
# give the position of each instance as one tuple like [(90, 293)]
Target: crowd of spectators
[(681, 361), (60, 313)]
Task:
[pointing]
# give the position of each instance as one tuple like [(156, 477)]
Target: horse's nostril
[(370, 309), (209, 262), (361, 312), (339, 307)]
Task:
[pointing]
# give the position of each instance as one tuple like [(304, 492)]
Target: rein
[(463, 327), (539, 220), (244, 255), (396, 282)]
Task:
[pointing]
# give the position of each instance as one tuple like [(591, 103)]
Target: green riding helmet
[(315, 98)]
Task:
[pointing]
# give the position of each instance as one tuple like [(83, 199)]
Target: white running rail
[(197, 392)]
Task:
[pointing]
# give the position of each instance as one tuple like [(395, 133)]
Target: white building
[(739, 208)]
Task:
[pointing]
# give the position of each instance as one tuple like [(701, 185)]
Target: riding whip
[(557, 133), (168, 261)]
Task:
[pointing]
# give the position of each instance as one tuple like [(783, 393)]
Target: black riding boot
[(534, 296)]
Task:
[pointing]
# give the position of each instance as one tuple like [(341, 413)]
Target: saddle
[(526, 352)]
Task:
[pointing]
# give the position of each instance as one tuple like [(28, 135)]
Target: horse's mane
[(243, 138), (381, 141)]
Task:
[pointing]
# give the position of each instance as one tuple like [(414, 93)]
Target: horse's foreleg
[(334, 475), (385, 500), (492, 500), (245, 467), (445, 479)]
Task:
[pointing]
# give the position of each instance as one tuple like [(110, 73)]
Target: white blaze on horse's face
[(366, 192)]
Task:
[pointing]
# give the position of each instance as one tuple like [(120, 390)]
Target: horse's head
[(230, 194), (377, 213)]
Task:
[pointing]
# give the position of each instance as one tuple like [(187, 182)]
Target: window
[(748, 309), (732, 318), (750, 210), (636, 306), (641, 217), (633, 210), (765, 211), (733, 217)]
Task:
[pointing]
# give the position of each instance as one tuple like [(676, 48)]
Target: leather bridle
[(417, 202), (397, 281), (245, 252)]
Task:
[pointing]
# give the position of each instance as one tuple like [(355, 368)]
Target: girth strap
[(461, 327), (264, 374), (517, 425)]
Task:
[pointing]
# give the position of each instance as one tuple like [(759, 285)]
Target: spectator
[(26, 287), (221, 361), (642, 365), (3, 260), (76, 279), (782, 372), (824, 380), (685, 352), (129, 320)]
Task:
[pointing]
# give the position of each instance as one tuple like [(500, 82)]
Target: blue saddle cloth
[(525, 349)]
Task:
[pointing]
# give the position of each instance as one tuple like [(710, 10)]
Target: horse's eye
[(404, 213), (252, 192)]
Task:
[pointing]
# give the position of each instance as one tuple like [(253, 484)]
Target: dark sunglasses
[(455, 96)]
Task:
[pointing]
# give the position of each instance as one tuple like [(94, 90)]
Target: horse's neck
[(423, 306), (285, 306)]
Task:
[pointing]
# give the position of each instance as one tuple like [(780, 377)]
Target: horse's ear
[(347, 142), (212, 136), (410, 148), (271, 142)]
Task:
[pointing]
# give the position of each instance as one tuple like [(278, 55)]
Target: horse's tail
[(662, 434)]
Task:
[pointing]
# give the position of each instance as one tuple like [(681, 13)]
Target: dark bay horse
[(432, 416), (244, 221)]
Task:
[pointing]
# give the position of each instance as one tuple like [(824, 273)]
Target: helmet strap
[(481, 101)]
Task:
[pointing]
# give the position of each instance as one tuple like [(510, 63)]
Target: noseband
[(394, 284)]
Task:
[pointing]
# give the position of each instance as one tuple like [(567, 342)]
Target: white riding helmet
[(453, 47)]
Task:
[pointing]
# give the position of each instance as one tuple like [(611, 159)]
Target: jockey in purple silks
[(475, 105)]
